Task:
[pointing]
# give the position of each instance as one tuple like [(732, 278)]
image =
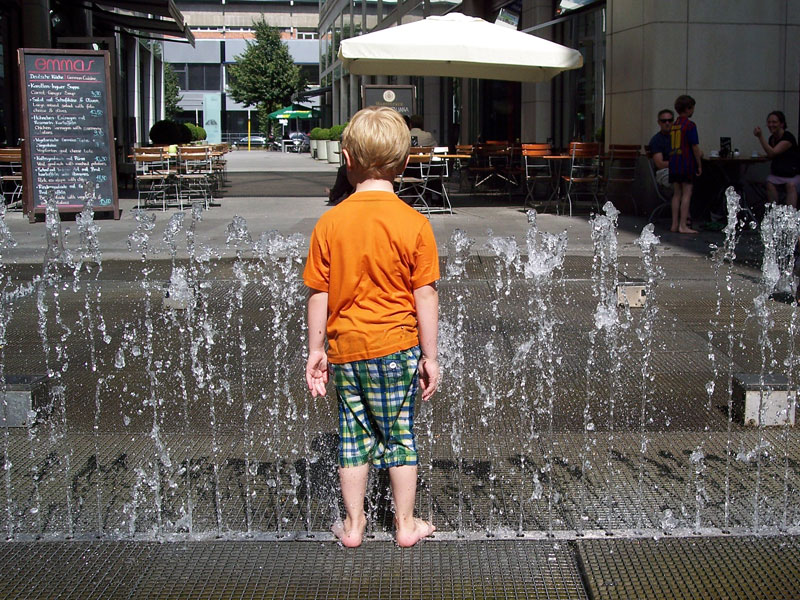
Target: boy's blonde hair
[(378, 141)]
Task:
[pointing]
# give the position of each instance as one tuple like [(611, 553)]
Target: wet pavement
[(177, 454)]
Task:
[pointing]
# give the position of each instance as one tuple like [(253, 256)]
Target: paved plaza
[(571, 452)]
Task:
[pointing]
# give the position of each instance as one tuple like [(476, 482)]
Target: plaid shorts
[(376, 410)]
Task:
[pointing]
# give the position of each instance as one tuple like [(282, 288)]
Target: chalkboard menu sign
[(68, 152)]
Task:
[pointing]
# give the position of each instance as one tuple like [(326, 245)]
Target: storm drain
[(691, 568), (233, 569)]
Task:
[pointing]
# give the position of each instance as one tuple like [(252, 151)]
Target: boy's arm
[(426, 299), (317, 364), (698, 156)]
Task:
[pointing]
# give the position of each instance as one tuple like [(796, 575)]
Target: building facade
[(132, 33), (222, 29), (739, 60)]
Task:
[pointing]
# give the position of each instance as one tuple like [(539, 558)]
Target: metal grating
[(251, 569), (691, 568)]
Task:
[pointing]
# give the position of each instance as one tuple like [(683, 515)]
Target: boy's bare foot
[(407, 537), (350, 536), (687, 230), (673, 229)]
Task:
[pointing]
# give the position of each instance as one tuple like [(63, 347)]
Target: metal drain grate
[(690, 568), (231, 569)]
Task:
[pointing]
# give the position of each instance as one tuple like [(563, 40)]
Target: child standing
[(684, 163), (372, 269)]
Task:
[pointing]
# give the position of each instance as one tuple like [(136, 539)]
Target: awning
[(457, 45), (159, 19)]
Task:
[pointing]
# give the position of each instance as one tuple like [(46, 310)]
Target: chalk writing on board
[(67, 118)]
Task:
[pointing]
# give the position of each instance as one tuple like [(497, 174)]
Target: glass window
[(199, 76)]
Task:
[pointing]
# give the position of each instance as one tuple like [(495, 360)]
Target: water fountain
[(177, 409)]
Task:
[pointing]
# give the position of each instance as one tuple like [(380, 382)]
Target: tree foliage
[(264, 74), (172, 94)]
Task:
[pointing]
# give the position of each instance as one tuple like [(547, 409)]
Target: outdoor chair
[(195, 173), (537, 170), (412, 182), (582, 177), (11, 176), (436, 174), (153, 177), (619, 172), (487, 164)]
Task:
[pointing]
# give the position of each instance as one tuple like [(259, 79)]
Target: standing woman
[(782, 149)]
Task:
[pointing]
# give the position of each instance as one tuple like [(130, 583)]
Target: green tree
[(264, 74), (172, 95)]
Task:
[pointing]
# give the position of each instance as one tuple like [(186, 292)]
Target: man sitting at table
[(423, 138), (660, 145)]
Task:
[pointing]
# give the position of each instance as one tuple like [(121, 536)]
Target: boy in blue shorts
[(684, 163), (372, 269)]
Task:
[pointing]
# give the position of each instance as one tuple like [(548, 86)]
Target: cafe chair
[(619, 172), (460, 164), (153, 177), (436, 174), (487, 164), (537, 170), (411, 184), (11, 176), (583, 176), (195, 174)]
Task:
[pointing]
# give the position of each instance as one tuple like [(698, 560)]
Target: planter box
[(334, 150), (313, 148), (322, 149)]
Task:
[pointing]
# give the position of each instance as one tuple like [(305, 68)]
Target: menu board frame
[(29, 179)]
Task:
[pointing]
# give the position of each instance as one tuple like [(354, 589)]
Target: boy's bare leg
[(676, 206), (409, 530), (686, 199), (354, 487)]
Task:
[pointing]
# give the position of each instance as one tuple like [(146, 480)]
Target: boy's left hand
[(317, 372), (428, 376)]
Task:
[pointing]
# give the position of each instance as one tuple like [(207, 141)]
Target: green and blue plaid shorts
[(376, 410)]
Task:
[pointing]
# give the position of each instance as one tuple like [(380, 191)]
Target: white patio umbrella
[(456, 45)]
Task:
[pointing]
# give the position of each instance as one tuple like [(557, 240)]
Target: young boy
[(684, 163), (372, 269)]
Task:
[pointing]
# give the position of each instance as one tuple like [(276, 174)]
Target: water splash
[(453, 344), (647, 242)]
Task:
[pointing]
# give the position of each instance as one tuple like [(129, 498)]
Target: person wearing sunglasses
[(660, 145)]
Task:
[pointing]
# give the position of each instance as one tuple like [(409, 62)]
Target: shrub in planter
[(336, 132), (316, 133), (164, 133), (184, 134)]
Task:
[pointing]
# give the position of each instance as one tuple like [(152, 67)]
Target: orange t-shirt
[(370, 253)]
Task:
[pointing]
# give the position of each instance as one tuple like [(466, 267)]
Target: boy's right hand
[(428, 376), (317, 372)]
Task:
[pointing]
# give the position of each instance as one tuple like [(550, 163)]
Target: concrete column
[(344, 104), (337, 83), (133, 89), (536, 121), (355, 95), (36, 24)]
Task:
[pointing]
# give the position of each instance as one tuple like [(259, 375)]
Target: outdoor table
[(731, 171)]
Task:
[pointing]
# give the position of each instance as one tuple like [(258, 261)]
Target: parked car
[(255, 140)]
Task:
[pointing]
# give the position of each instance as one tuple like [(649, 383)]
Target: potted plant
[(322, 145), (314, 136), (335, 144)]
